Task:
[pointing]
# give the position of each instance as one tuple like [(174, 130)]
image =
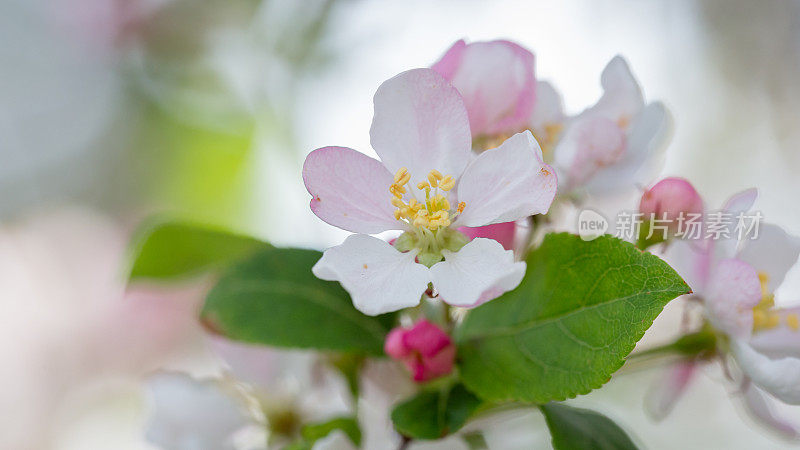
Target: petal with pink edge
[(774, 252), (481, 271), (662, 398), (733, 290), (496, 81), (378, 277), (780, 376), (350, 190), (506, 183), (644, 152), (591, 145), (421, 124), (759, 408)]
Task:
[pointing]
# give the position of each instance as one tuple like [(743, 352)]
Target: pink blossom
[(736, 281), (616, 143), (669, 199), (421, 133), (426, 350), (496, 80)]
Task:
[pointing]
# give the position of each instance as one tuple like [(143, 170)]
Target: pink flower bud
[(426, 350), (669, 198), (500, 232)]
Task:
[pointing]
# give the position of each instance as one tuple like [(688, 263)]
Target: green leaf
[(579, 310), (579, 429), (433, 414), (274, 299), (313, 432), (168, 249)]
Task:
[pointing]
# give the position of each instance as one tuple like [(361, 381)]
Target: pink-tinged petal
[(506, 183), (378, 277), (591, 144), (643, 158), (670, 388), (350, 190), (671, 198), (759, 408), (779, 376), (496, 81), (741, 201), (781, 341), (501, 232), (548, 108), (421, 124), (773, 252), (437, 365), (622, 97), (395, 344), (733, 290), (449, 64), (692, 260), (481, 271), (426, 338)]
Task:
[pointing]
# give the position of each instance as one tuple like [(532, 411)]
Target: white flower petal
[(758, 406), (421, 123), (191, 414), (481, 271), (773, 252), (622, 97), (670, 388), (506, 183), (350, 190), (549, 107), (644, 153), (379, 278), (732, 292), (780, 376)]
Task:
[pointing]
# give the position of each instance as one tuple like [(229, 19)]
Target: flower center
[(765, 316), (435, 211)]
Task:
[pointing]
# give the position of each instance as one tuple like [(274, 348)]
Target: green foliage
[(433, 414), (273, 298), (582, 429), (313, 432), (578, 312), (167, 249)]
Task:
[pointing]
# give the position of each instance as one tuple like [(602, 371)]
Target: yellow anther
[(435, 174), (397, 214), (461, 206), (432, 180), (793, 322), (402, 176), (444, 203), (423, 185), (397, 203), (447, 183), (773, 320), (759, 319), (421, 221)]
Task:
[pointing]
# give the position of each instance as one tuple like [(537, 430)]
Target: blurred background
[(112, 110)]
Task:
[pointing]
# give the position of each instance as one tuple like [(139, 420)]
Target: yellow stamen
[(435, 174), (402, 176), (447, 183), (432, 180), (397, 202), (461, 206), (793, 322)]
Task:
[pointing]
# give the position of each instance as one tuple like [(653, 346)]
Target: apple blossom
[(669, 199), (496, 81), (617, 142), (426, 350), (736, 281), (421, 133)]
